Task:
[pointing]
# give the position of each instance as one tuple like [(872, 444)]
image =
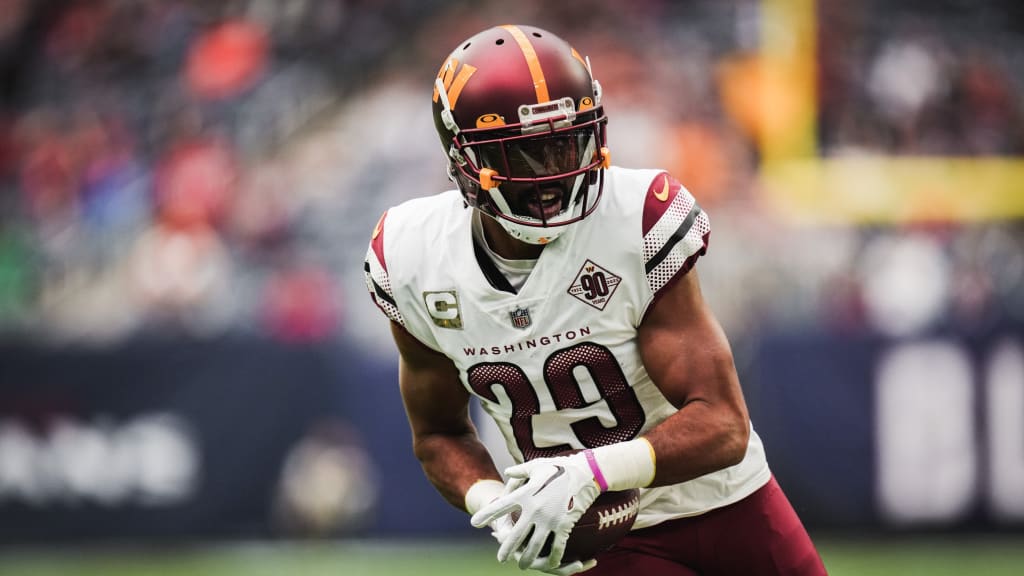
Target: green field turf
[(901, 557)]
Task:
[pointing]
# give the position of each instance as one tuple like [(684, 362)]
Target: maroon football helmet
[(520, 118)]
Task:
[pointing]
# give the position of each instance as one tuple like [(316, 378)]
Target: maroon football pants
[(760, 535)]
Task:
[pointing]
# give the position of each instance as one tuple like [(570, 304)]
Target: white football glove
[(551, 494), (503, 525)]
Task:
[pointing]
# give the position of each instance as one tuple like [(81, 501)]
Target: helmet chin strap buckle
[(606, 157), (487, 178)]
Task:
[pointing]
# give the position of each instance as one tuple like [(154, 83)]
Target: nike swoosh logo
[(663, 195), (558, 472)]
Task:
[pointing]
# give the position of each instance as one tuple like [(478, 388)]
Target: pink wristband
[(592, 461)]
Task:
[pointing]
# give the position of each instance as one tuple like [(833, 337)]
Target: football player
[(560, 290)]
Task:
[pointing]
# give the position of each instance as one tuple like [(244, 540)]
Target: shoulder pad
[(375, 268), (675, 231)]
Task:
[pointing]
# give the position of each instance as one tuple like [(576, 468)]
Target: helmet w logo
[(453, 83)]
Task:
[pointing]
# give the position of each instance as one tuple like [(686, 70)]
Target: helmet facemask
[(537, 176)]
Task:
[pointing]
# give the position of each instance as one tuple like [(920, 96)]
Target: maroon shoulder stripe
[(660, 194)]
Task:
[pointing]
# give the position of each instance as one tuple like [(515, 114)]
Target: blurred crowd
[(201, 168), (139, 146), (915, 77)]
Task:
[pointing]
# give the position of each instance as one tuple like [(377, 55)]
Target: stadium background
[(192, 378)]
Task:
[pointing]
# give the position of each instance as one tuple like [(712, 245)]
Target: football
[(607, 520)]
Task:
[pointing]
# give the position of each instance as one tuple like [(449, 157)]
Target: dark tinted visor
[(542, 155)]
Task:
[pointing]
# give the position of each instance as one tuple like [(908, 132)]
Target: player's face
[(533, 158)]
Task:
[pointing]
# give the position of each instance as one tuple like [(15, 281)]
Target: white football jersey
[(557, 364)]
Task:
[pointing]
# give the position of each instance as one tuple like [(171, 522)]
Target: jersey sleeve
[(675, 232), (378, 282)]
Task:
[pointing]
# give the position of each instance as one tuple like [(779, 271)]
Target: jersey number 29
[(565, 390)]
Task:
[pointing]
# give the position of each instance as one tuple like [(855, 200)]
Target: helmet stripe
[(539, 83)]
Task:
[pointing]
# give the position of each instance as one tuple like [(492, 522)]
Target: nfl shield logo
[(520, 317)]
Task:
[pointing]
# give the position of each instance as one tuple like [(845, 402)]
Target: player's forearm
[(698, 439), (711, 428), (453, 463), (693, 442)]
